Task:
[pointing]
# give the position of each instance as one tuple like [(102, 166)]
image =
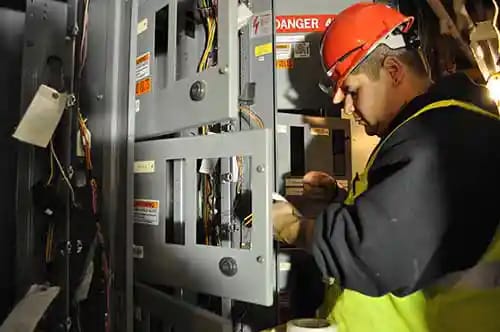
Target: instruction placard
[(302, 50), (143, 86), (283, 51), (147, 211), (142, 66), (284, 64)]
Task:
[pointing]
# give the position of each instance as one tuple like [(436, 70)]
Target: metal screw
[(99, 97), (223, 70), (260, 259), (55, 95), (79, 246), (227, 177), (197, 91), (261, 168)]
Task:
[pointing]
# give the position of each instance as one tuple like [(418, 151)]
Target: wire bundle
[(207, 10)]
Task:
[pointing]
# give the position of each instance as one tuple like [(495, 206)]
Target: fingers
[(339, 96)]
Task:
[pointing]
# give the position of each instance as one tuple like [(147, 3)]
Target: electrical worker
[(412, 246)]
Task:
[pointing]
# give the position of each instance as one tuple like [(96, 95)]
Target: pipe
[(449, 27)]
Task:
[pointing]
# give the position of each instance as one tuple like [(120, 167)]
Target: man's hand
[(286, 222)]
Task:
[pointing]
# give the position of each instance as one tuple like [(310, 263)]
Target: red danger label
[(303, 23)]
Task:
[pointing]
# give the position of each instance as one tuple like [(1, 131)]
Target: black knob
[(228, 266)]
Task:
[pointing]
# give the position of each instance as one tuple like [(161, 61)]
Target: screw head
[(197, 91), (223, 70), (261, 168), (260, 259)]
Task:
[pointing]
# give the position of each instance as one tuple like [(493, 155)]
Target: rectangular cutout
[(339, 152), (174, 213), (297, 151), (161, 45), (225, 215)]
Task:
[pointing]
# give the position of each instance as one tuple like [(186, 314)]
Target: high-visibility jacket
[(463, 301)]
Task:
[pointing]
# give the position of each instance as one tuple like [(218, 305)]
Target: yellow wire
[(251, 114), (51, 177)]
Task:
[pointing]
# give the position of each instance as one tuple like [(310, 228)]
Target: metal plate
[(168, 107), (196, 267)]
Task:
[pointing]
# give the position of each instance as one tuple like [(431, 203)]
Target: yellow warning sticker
[(263, 49), (320, 131), (285, 64)]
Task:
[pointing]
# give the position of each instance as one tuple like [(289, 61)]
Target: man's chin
[(369, 130)]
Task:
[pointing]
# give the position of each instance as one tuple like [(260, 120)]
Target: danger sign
[(303, 23)]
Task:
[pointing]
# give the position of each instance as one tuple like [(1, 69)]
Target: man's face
[(368, 100)]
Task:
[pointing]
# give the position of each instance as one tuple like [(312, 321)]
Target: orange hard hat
[(356, 32)]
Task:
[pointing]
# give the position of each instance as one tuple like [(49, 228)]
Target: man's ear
[(395, 68)]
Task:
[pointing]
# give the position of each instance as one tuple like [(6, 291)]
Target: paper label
[(285, 64), (320, 132), (281, 129), (283, 51), (137, 251), (290, 38), (142, 66), (285, 266), (42, 117), (302, 50), (143, 86), (303, 23), (142, 26), (144, 166), (262, 25), (263, 49), (137, 105), (147, 211)]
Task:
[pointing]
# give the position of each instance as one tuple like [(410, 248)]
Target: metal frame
[(171, 109), (174, 313), (196, 267)]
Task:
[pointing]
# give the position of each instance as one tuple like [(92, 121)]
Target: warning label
[(143, 86), (303, 23), (285, 64), (142, 66), (302, 50), (147, 212), (283, 51), (262, 25)]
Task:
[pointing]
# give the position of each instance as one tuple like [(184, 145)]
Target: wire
[(495, 19), (51, 176), (63, 173), (252, 116), (84, 42)]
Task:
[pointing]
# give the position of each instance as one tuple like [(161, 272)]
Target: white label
[(302, 50), (137, 105), (42, 117), (137, 251), (285, 266), (290, 38), (142, 69), (142, 26), (281, 129), (147, 211), (244, 15), (262, 25), (320, 132), (144, 166), (283, 51)]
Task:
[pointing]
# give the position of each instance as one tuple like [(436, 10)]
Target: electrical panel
[(186, 65), (171, 242)]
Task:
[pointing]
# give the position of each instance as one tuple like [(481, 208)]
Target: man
[(412, 247)]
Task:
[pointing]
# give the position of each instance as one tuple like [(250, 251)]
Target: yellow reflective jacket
[(463, 301)]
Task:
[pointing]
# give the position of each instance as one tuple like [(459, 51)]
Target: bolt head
[(261, 168)]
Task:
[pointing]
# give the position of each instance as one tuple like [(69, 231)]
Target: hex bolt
[(197, 91)]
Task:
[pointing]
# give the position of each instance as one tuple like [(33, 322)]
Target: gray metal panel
[(318, 149), (297, 88), (196, 267), (175, 314), (11, 39), (170, 108)]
